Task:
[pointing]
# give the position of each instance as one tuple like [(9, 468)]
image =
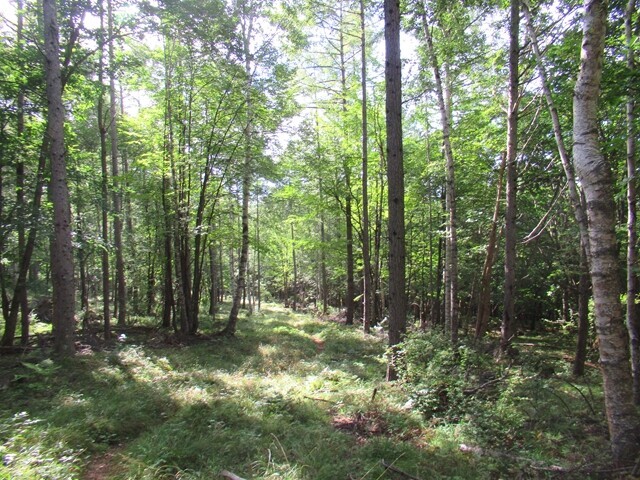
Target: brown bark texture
[(395, 177), (62, 274), (508, 328)]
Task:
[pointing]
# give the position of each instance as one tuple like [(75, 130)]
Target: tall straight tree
[(508, 315), (102, 130), (62, 275), (20, 178), (121, 288), (451, 266), (367, 290), (633, 315), (348, 200), (596, 178), (246, 21), (395, 177)]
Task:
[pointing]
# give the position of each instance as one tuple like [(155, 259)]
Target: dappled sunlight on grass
[(289, 397)]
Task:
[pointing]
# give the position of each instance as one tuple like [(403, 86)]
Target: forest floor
[(289, 397)]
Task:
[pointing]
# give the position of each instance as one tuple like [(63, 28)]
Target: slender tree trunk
[(221, 290), (230, 329), (82, 263), (323, 266), (247, 32), (20, 180), (13, 307), (62, 274), (451, 269), (574, 196), (258, 258), (633, 316), (151, 282), (295, 271), (121, 288), (484, 300), (574, 193), (351, 290), (102, 130), (597, 182), (508, 329), (583, 316), (367, 293), (349, 300), (213, 293), (395, 176), (168, 317)]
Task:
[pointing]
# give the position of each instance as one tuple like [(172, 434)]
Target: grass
[(290, 397)]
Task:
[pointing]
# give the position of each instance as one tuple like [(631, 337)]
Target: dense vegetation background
[(179, 164)]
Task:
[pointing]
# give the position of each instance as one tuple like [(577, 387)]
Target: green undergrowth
[(290, 397)]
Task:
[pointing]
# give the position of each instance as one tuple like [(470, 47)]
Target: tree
[(575, 196), (121, 288), (367, 283), (247, 21), (62, 273), (596, 178), (395, 176), (508, 329), (451, 271), (633, 314)]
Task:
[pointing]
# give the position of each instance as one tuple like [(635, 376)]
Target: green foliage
[(530, 405), (289, 397)]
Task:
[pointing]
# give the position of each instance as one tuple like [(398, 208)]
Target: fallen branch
[(318, 399), (534, 464), (391, 468), (229, 475), (472, 391)]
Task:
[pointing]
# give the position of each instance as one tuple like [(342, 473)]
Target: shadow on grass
[(262, 404)]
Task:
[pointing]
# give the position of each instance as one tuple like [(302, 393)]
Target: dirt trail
[(104, 466)]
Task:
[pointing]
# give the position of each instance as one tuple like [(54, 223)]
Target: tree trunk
[(295, 271), (121, 288), (213, 274), (367, 291), (508, 329), (597, 181), (574, 193), (13, 307), (20, 179), (323, 267), (62, 273), (258, 258), (395, 176), (451, 268), (102, 130), (151, 282), (350, 295), (484, 299), (583, 316), (168, 317), (633, 317), (247, 32)]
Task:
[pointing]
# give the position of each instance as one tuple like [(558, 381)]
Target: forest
[(311, 240)]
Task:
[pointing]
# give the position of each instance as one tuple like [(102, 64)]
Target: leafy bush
[(441, 378)]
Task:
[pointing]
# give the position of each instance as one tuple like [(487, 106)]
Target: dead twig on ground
[(391, 468)]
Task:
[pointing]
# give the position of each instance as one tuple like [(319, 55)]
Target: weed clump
[(529, 405)]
